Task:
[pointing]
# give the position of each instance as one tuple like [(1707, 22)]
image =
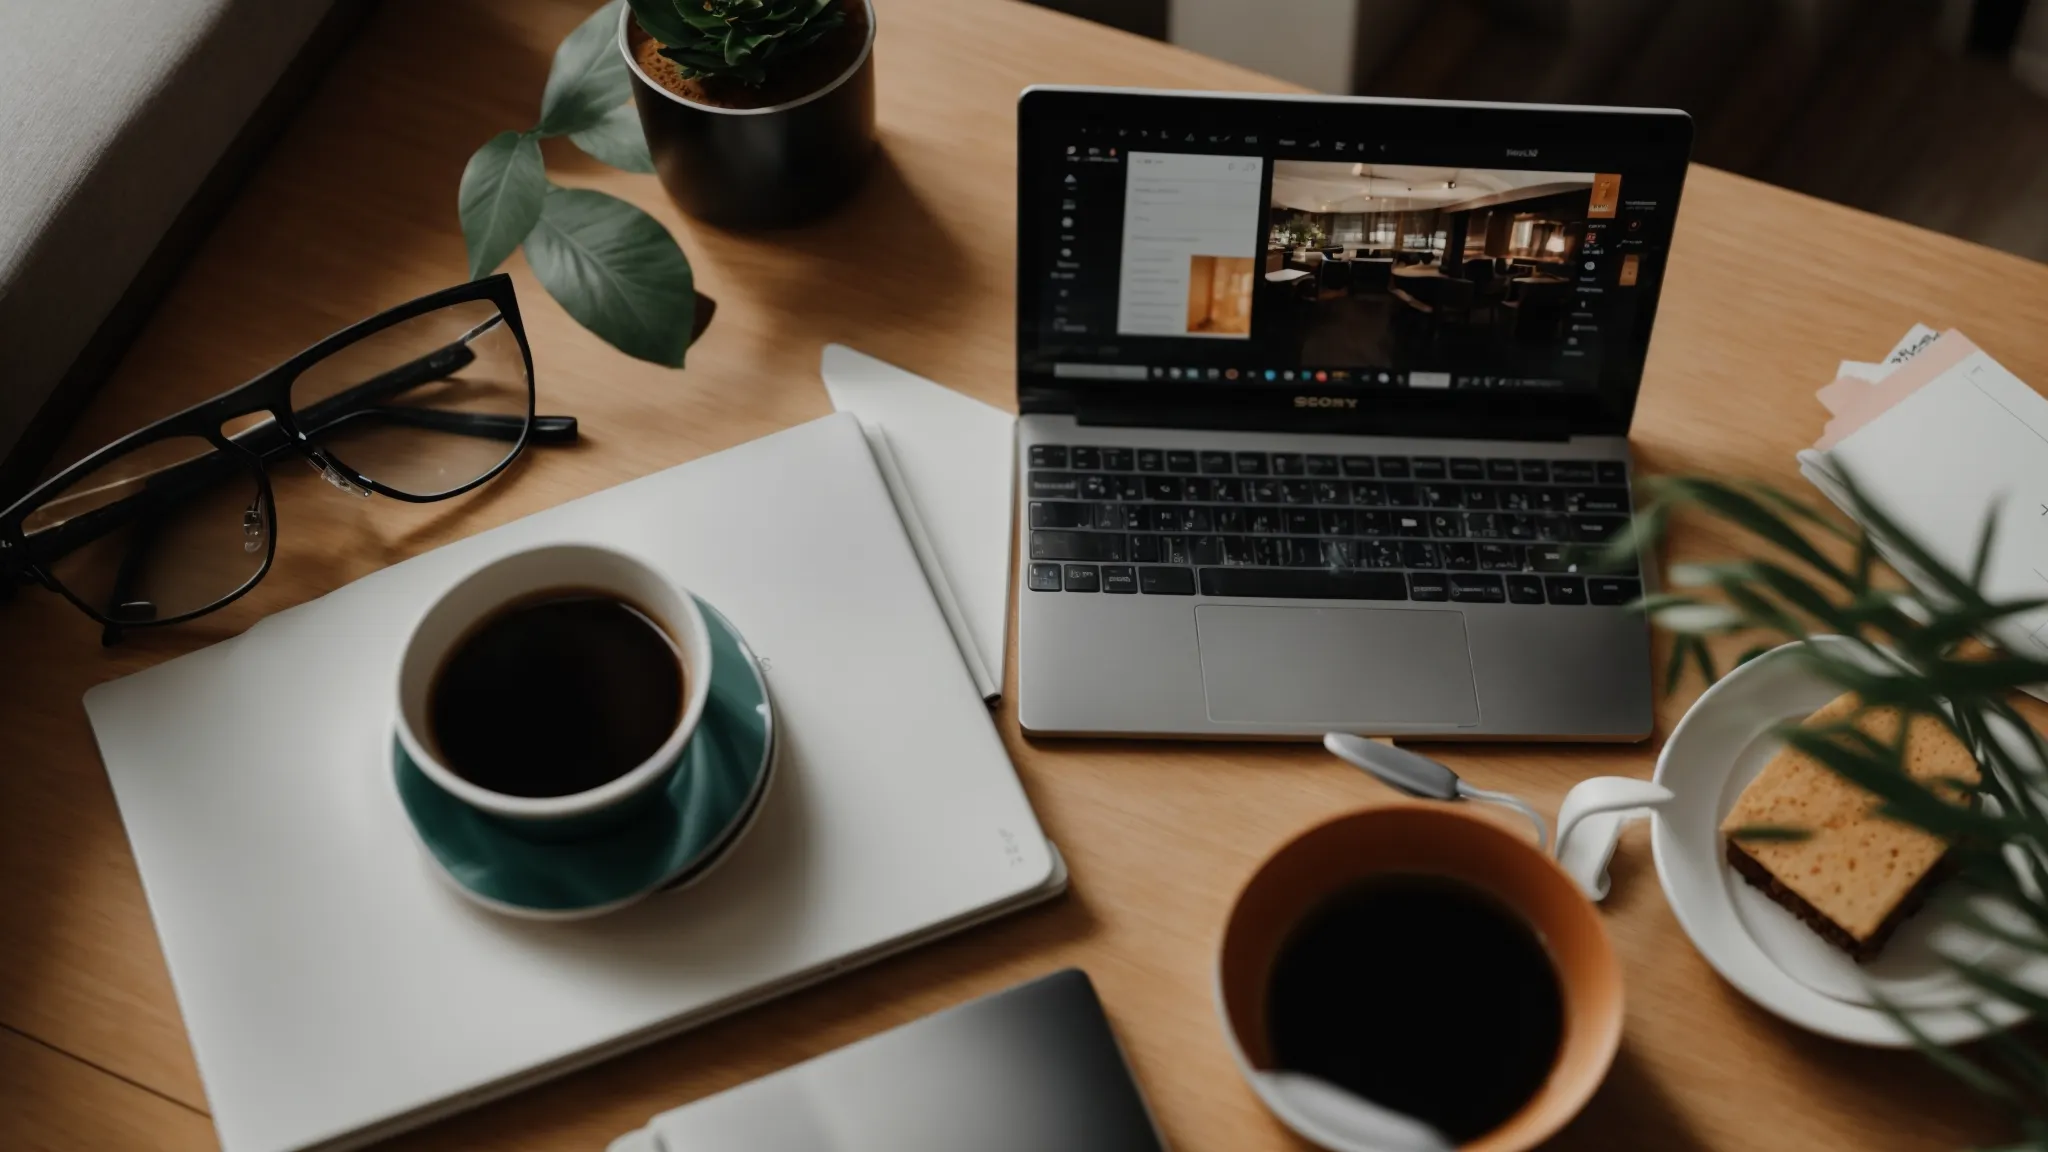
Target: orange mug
[(1431, 840)]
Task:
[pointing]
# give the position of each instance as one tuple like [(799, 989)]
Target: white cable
[(1505, 800)]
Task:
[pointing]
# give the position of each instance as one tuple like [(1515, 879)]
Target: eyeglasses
[(419, 403)]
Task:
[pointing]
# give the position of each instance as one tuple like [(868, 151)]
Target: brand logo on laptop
[(1526, 153), (1326, 401)]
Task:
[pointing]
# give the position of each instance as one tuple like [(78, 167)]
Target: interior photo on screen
[(1450, 268), (1188, 253)]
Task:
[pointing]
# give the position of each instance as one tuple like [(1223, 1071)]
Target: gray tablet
[(1028, 1069)]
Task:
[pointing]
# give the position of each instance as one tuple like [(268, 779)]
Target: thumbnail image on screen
[(1425, 266), (1188, 250)]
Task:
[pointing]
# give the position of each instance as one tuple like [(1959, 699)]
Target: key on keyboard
[(1160, 522)]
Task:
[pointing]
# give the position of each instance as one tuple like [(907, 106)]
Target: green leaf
[(1799, 593), (589, 77), (1969, 917), (1674, 666), (1801, 510), (1952, 679), (1704, 657), (695, 64), (1954, 1063), (617, 140), (2022, 1063), (1688, 646), (617, 271), (1746, 511), (1986, 537), (1770, 834), (1887, 532), (1849, 753), (2001, 986), (1754, 653), (500, 199), (664, 21), (1699, 618)]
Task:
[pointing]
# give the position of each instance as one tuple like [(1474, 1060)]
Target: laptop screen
[(1359, 254)]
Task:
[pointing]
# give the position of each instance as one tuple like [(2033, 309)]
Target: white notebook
[(337, 991)]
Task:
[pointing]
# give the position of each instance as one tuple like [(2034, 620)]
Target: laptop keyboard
[(1170, 522)]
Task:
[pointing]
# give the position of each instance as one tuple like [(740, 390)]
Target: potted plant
[(610, 265), (1921, 654), (758, 113)]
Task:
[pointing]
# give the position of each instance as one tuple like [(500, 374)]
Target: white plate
[(1758, 946)]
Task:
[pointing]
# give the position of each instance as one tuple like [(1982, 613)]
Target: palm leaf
[(1986, 536), (1955, 1064), (2001, 986), (1903, 654), (1745, 511)]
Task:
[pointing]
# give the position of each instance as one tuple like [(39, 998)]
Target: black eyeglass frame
[(268, 393)]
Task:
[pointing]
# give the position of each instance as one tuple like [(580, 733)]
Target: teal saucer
[(711, 796)]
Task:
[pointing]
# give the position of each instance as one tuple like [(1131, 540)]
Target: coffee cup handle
[(1590, 820)]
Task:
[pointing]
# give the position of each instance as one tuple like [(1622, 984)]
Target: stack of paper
[(1940, 436)]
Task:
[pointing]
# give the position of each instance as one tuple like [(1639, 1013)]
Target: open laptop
[(1325, 411), (1032, 1068)]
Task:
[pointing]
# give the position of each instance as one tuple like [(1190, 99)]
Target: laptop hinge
[(1265, 418)]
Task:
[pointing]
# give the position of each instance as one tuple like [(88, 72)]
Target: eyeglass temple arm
[(439, 364), (133, 556), (483, 425), (159, 491)]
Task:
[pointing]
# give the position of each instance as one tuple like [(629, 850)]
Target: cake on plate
[(1858, 874)]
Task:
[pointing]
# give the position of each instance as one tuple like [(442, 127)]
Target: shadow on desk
[(829, 268), (1631, 1110)]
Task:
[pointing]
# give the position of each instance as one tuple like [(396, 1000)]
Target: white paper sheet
[(957, 455), (1969, 441)]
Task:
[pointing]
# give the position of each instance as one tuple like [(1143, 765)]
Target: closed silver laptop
[(1325, 411)]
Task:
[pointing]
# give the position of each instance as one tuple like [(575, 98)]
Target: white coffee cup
[(456, 613)]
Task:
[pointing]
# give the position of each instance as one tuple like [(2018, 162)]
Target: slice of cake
[(1857, 875)]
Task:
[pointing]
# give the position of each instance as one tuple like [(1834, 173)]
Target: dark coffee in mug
[(1422, 994), (556, 693)]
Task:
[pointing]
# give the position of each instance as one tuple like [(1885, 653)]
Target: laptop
[(1031, 1068), (1325, 405)]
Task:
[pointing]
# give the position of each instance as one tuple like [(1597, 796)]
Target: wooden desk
[(356, 211)]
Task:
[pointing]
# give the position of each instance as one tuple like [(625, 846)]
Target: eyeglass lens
[(425, 406), (170, 528)]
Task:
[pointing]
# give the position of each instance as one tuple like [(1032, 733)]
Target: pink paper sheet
[(1865, 401)]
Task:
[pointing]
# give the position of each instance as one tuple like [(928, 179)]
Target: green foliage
[(610, 265), (500, 199), (1300, 231), (604, 259), (1908, 652), (741, 40)]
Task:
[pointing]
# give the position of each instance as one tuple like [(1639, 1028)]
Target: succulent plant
[(740, 40)]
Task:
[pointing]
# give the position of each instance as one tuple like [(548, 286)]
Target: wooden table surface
[(355, 211)]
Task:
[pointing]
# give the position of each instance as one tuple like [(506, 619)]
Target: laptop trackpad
[(1336, 666)]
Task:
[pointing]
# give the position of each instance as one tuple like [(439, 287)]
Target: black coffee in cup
[(557, 693), (1422, 994)]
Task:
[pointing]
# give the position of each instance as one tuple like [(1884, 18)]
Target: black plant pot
[(760, 167)]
